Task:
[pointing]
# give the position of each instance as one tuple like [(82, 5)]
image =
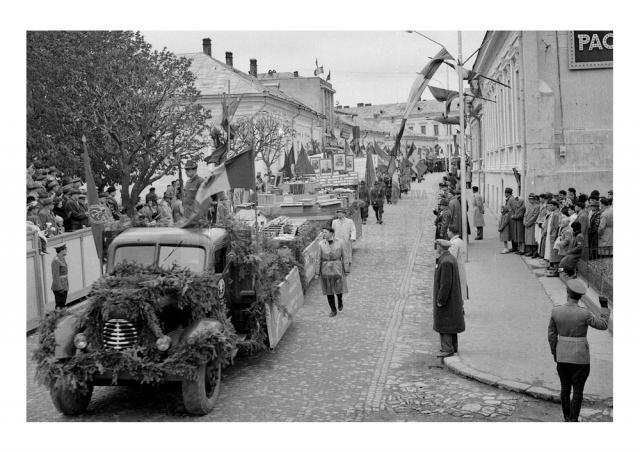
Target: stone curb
[(457, 366), (589, 299)]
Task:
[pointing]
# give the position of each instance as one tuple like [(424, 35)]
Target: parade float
[(174, 305)]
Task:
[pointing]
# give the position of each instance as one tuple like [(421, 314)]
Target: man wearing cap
[(448, 315), (59, 276), (512, 205), (77, 182), (111, 202), (151, 196), (530, 217), (73, 211), (191, 188), (33, 188), (478, 212), (443, 220), (345, 231), (46, 219), (567, 335)]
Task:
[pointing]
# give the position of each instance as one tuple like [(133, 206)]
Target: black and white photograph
[(348, 163), (326, 166), (338, 162), (199, 245), (315, 163)]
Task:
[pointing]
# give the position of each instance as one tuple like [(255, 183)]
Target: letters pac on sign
[(590, 49)]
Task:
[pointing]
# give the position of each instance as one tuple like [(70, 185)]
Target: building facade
[(426, 133), (553, 124), (216, 79), (314, 92)]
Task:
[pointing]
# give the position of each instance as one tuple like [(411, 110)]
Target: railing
[(84, 269)]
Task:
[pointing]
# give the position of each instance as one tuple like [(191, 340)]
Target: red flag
[(97, 214)]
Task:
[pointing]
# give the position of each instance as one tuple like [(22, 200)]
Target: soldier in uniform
[(191, 188), (59, 277), (331, 269), (567, 334), (365, 196), (377, 200)]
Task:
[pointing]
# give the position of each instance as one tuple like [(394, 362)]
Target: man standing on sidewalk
[(478, 213), (448, 317), (567, 334)]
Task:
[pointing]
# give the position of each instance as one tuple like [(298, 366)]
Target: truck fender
[(64, 333), (200, 326)]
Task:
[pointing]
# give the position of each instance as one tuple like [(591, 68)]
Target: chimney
[(253, 67), (228, 56), (295, 73), (206, 46)]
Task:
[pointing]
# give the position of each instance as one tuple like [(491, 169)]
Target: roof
[(395, 110), (185, 237), (213, 78)]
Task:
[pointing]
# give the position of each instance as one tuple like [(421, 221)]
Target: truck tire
[(199, 396), (69, 401)]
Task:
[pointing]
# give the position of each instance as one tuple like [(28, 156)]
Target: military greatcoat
[(448, 317)]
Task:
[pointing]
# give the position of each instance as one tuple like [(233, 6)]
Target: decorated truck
[(175, 305)]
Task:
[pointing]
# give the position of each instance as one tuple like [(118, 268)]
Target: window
[(189, 257), (139, 254), (436, 131), (423, 130)]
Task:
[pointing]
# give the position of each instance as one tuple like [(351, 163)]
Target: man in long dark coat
[(448, 314), (512, 206)]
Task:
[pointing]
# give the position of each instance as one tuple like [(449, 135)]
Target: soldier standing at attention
[(59, 277), (567, 336), (190, 189)]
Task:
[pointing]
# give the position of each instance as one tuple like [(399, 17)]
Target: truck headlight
[(163, 343), (80, 341)]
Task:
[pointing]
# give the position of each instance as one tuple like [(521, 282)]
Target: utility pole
[(463, 155), (449, 136)]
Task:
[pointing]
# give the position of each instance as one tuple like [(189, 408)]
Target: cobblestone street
[(375, 361)]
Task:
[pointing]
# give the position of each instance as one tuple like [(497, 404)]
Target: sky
[(366, 66)]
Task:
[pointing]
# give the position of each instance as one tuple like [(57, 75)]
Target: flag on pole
[(329, 75), (469, 75), (392, 166), (289, 163), (96, 211), (303, 165), (318, 70), (237, 172), (370, 172)]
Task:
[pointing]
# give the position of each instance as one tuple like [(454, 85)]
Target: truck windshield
[(138, 254), (191, 257)]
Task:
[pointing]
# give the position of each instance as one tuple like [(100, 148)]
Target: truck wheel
[(199, 395), (69, 401)]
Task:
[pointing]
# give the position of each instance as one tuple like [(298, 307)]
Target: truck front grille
[(119, 334)]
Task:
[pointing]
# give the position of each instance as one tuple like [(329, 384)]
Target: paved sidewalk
[(505, 342)]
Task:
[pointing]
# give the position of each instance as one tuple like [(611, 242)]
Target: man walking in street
[(377, 200), (365, 197), (331, 269), (567, 335), (345, 231), (448, 316), (478, 213), (191, 188)]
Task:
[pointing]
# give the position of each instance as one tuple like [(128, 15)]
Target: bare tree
[(265, 133)]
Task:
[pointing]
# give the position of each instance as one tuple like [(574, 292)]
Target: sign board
[(309, 259), (590, 49), (291, 298)]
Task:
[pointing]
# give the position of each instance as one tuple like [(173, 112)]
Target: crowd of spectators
[(560, 228)]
